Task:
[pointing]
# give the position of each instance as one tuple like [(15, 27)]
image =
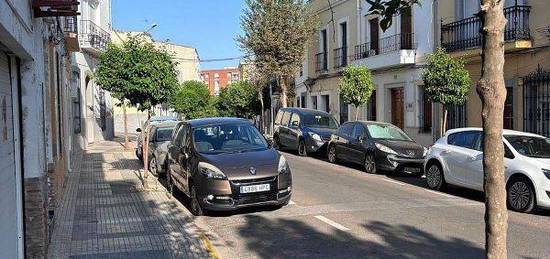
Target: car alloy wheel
[(332, 154), (370, 164), (434, 177), (153, 167), (302, 148), (521, 196), (195, 205)]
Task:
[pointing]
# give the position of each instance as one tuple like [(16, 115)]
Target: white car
[(457, 159)]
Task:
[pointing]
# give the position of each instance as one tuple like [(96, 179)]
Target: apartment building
[(42, 103), (527, 61), (218, 79), (348, 34)]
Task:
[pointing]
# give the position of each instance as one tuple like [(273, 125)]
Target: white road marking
[(291, 203), (392, 181), (332, 223), (440, 193)]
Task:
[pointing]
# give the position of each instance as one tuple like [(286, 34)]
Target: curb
[(209, 246)]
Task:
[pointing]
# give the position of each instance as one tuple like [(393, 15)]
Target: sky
[(208, 25)]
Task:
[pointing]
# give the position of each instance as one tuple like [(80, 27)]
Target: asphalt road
[(338, 211)]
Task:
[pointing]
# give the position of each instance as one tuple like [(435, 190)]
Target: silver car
[(148, 123), (160, 135)]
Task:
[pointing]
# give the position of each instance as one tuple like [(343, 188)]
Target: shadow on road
[(288, 238)]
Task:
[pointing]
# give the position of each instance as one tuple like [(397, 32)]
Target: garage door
[(8, 204)]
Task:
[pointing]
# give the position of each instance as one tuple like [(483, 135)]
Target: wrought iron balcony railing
[(321, 62), (340, 57), (465, 34), (385, 45), (70, 24), (92, 35)]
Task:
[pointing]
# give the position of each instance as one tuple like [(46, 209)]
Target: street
[(338, 211)]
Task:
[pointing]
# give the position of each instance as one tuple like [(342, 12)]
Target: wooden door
[(397, 111), (406, 29)]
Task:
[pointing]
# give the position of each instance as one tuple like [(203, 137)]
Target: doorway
[(397, 111)]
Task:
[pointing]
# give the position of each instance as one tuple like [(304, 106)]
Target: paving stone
[(104, 213)]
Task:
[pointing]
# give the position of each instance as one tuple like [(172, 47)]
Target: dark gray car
[(160, 135), (226, 164)]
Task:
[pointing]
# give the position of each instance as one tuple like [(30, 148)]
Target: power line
[(210, 60)]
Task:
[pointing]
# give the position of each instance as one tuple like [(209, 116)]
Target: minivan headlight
[(385, 149), (546, 172), (315, 136), (210, 171), (283, 165)]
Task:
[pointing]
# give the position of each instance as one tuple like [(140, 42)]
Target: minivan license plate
[(412, 169), (255, 188)]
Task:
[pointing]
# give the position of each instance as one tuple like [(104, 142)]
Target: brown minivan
[(226, 164)]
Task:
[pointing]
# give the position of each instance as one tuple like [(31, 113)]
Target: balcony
[(391, 51), (70, 33), (92, 37), (321, 62), (465, 34), (340, 57)]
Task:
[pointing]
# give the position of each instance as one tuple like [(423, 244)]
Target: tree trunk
[(261, 97), (444, 121), (126, 142), (492, 92), (284, 90), (356, 112), (145, 158)]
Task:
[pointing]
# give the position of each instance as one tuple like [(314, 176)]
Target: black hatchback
[(304, 130), (377, 146)]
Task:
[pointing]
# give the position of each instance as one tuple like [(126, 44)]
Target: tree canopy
[(446, 81), (275, 35), (193, 100), (356, 86), (138, 72), (240, 99)]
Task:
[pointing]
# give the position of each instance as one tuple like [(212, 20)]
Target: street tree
[(240, 100), (138, 74), (492, 92), (193, 100), (356, 86), (275, 35), (446, 81)]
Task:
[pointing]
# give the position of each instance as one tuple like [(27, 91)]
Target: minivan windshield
[(320, 121), (536, 147), (228, 138), (387, 131), (164, 134)]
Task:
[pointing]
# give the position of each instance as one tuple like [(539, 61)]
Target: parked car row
[(220, 164), (454, 159)]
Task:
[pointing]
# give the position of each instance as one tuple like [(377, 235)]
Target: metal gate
[(536, 104)]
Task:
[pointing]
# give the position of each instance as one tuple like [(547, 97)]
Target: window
[(228, 138), (216, 84), (326, 101), (286, 119), (298, 101), (468, 139), (343, 110), (295, 120), (425, 111), (320, 120), (358, 131), (456, 117), (346, 129), (509, 109), (181, 136), (371, 107), (77, 123), (279, 117), (373, 26), (324, 50), (163, 134), (229, 77), (303, 101)]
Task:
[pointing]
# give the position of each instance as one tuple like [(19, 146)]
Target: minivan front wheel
[(196, 208), (370, 164), (302, 148), (332, 154), (520, 195)]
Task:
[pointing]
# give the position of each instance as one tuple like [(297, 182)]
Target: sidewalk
[(105, 213)]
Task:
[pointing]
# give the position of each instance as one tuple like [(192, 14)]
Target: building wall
[(209, 78), (518, 62)]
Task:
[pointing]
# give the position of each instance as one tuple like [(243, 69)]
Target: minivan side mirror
[(361, 138), (138, 130), (295, 124)]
